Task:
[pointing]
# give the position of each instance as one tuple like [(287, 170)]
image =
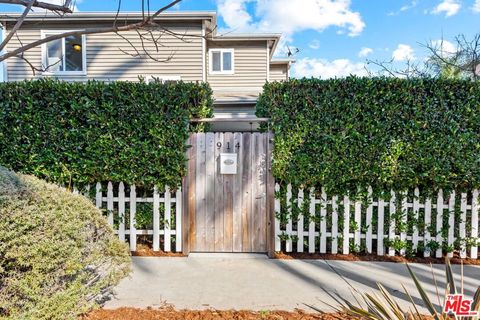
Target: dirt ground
[(372, 257), (170, 313)]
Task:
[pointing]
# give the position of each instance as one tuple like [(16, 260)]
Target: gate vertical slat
[(218, 189), (200, 193), (261, 198), (210, 194), (237, 194), (403, 232), (98, 195), (246, 192), (228, 198)]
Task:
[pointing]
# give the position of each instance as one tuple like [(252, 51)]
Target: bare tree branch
[(65, 8), (17, 25), (116, 29)]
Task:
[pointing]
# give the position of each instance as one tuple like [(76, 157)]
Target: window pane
[(227, 61), (216, 63), (54, 56), (73, 53)]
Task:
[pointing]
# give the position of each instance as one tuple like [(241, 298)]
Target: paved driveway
[(256, 283)]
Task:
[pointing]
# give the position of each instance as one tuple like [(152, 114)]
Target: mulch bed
[(171, 313), (144, 250), (372, 257)]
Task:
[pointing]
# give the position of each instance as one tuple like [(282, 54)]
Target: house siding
[(278, 72), (250, 64), (107, 62)]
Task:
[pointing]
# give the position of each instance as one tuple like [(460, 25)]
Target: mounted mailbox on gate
[(228, 163)]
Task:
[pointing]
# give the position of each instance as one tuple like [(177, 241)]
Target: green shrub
[(68, 132), (347, 134), (58, 256)]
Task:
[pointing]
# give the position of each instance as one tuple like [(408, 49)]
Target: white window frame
[(162, 78), (44, 33), (222, 51)]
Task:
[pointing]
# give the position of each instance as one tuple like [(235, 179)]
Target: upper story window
[(221, 61), (64, 56)]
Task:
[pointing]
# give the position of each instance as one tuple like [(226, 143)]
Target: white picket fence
[(312, 233), (115, 201)]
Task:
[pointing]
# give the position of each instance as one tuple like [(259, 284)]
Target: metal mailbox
[(228, 163)]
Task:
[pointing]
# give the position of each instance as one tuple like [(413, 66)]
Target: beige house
[(189, 49)]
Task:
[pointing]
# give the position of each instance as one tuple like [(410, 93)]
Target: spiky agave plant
[(382, 305)]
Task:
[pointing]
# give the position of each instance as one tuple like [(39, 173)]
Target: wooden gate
[(228, 212)]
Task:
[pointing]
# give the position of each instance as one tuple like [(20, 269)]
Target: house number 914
[(219, 145)]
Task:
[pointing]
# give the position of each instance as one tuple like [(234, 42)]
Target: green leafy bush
[(88, 132), (347, 134), (58, 256)]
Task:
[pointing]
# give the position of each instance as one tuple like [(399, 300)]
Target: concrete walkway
[(238, 282)]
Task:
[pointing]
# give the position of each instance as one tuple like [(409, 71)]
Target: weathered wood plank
[(190, 218), (246, 192), (261, 194), (219, 205), (228, 198), (237, 194), (270, 234), (200, 194), (210, 192)]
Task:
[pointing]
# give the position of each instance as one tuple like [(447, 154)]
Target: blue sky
[(335, 37)]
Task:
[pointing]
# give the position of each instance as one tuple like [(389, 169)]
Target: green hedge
[(86, 132), (345, 134)]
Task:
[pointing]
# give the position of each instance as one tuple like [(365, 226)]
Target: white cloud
[(314, 44), (289, 16), (443, 47), (403, 52), (476, 6), (322, 68), (449, 7), (365, 52)]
